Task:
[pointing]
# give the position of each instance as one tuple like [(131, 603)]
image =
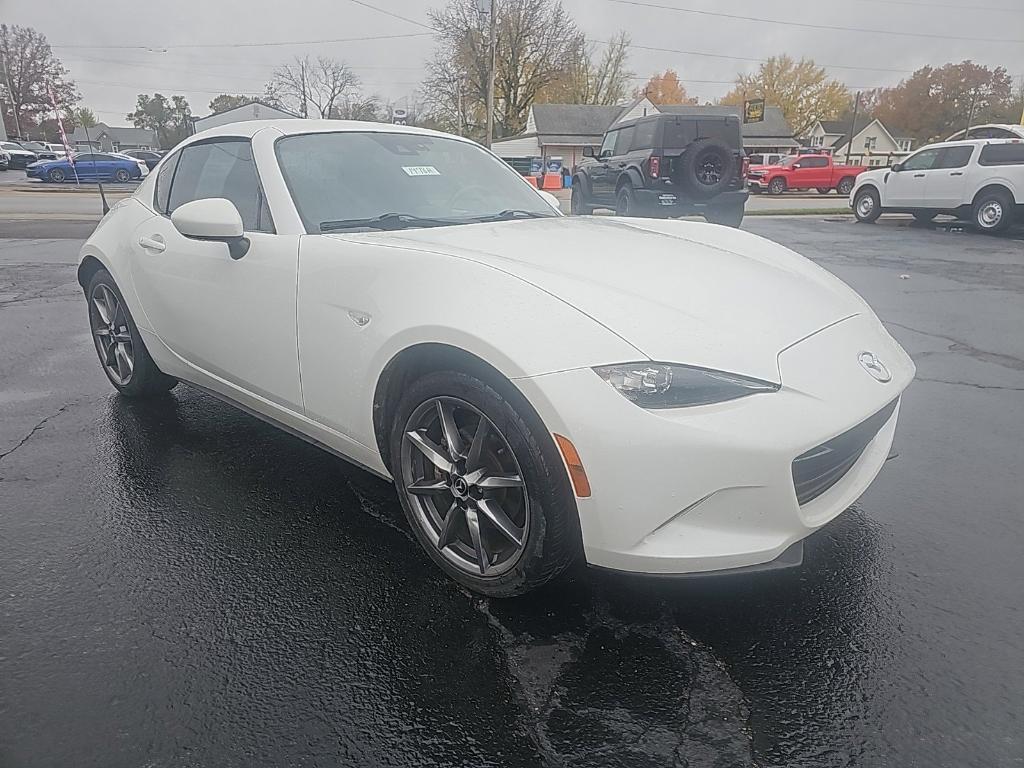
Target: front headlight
[(661, 385)]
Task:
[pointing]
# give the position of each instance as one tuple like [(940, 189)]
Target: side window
[(162, 194), (623, 140), (83, 158), (922, 161), (222, 169), (643, 135), (1002, 154), (609, 142), (814, 162), (955, 157)]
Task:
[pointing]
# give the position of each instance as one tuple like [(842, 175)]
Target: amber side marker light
[(577, 474)]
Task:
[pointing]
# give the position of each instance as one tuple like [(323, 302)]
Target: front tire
[(122, 176), (777, 186), (482, 484), (992, 211), (578, 206), (56, 174), (727, 216), (824, 190), (867, 206), (123, 355)]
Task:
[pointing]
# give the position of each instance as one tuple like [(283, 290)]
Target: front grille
[(818, 469)]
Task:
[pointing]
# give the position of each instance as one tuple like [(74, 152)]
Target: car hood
[(681, 292)]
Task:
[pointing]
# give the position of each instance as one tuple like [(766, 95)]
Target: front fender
[(362, 302)]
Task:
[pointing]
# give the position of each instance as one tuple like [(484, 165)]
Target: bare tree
[(537, 42), (28, 69), (589, 79), (305, 83), (359, 107)]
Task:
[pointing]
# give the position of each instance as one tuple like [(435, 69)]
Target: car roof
[(294, 127), (972, 142)]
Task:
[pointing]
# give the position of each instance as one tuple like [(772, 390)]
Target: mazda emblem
[(875, 367)]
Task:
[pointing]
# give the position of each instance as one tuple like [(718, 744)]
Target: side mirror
[(215, 219), (550, 199), (897, 167), (588, 151)]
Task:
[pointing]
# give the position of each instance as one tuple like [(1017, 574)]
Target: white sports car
[(661, 396)]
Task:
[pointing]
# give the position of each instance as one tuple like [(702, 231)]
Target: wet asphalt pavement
[(181, 585)]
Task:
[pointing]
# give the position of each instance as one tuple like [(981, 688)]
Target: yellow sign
[(753, 111)]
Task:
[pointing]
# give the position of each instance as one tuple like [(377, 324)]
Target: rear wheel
[(777, 186), (992, 211), (845, 186), (482, 485), (824, 190), (625, 201), (123, 355), (867, 206), (578, 205), (726, 215)]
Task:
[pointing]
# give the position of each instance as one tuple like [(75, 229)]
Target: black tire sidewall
[(146, 378), (54, 172), (553, 537), (577, 202), (731, 216), (844, 184), (777, 186), (121, 176), (694, 155), (625, 201)]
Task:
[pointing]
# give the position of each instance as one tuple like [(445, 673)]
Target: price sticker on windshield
[(420, 170)]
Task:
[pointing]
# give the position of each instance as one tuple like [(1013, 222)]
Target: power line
[(161, 48), (393, 15), (946, 5), (808, 25), (745, 58)]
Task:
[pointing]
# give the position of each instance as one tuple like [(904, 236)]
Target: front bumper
[(758, 182), (711, 488)]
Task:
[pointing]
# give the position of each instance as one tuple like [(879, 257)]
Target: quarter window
[(163, 183), (1002, 154), (221, 169)]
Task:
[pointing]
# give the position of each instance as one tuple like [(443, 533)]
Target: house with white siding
[(872, 144), (563, 130)]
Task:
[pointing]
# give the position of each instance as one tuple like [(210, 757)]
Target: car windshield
[(379, 180)]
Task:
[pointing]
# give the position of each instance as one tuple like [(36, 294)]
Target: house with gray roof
[(112, 139), (563, 130), (873, 143)]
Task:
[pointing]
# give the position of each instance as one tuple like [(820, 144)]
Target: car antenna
[(103, 197)]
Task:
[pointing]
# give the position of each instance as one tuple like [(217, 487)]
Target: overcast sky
[(110, 77)]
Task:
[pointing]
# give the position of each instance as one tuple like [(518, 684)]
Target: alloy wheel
[(111, 334), (709, 172), (465, 486)]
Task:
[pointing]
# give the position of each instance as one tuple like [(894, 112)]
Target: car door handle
[(918, 175), (154, 243), (957, 173)]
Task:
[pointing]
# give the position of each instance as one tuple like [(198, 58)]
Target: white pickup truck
[(980, 179)]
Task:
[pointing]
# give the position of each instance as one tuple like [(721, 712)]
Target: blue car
[(89, 166)]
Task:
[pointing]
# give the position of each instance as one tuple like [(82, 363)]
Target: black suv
[(666, 165)]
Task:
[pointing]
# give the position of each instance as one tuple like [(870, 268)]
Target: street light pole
[(491, 59)]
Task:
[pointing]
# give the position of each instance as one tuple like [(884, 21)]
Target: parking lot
[(183, 585)]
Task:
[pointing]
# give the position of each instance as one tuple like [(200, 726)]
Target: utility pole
[(853, 126), (970, 114), (10, 95), (492, 49)]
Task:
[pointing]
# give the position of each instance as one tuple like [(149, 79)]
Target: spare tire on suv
[(706, 168)]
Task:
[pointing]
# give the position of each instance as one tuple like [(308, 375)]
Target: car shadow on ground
[(604, 668)]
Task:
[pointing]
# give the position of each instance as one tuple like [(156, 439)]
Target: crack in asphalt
[(36, 428), (970, 384), (958, 346)]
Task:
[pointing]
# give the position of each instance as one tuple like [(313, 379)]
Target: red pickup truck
[(804, 172)]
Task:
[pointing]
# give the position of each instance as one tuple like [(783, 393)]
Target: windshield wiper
[(387, 221), (513, 213)]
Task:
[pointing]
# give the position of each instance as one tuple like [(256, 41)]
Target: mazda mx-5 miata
[(659, 396)]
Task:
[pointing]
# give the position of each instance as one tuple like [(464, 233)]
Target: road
[(182, 585)]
